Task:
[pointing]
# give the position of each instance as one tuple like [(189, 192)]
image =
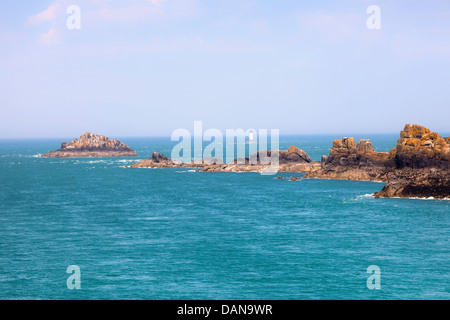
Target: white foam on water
[(187, 171), (128, 160), (95, 161), (372, 195), (423, 198), (367, 195)]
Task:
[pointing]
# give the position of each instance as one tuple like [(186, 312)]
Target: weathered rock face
[(420, 183), (418, 147), (294, 154), (345, 152), (422, 161), (364, 146), (348, 160), (92, 145)]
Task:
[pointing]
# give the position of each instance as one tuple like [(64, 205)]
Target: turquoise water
[(176, 234)]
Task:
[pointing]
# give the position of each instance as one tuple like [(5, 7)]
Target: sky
[(148, 67)]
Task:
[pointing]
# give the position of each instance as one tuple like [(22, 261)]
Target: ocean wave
[(95, 161), (128, 160), (367, 195)]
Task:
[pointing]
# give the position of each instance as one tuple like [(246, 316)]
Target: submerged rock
[(92, 145)]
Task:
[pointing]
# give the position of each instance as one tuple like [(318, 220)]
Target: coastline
[(419, 165)]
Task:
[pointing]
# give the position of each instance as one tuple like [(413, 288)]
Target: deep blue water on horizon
[(178, 234)]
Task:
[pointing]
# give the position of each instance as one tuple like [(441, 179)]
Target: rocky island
[(92, 145)]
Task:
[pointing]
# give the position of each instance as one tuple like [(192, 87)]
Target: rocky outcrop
[(418, 148), (157, 160), (419, 166), (348, 160), (417, 183), (422, 160), (292, 160), (92, 145), (294, 154)]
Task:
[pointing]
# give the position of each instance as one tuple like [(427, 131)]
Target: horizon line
[(169, 137)]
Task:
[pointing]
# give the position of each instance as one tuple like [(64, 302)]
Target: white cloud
[(52, 37), (48, 14)]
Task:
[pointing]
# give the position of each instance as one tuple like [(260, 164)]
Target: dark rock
[(158, 157), (421, 183), (323, 162)]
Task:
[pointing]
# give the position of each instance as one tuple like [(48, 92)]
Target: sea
[(170, 234)]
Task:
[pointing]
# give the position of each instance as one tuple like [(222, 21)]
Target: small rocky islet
[(92, 145)]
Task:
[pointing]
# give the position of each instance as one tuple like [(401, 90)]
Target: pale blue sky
[(146, 68)]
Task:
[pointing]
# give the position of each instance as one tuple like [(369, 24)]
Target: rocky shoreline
[(92, 145), (418, 167), (293, 160)]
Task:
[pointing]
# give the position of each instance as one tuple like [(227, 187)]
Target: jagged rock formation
[(418, 147), (92, 145), (354, 162), (419, 166), (422, 160)]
